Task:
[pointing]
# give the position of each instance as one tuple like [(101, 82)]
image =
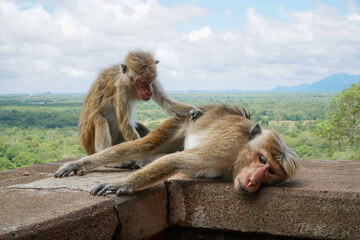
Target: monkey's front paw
[(195, 113), (67, 168), (106, 187)]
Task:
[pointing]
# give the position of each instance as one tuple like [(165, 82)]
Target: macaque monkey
[(224, 143), (107, 115)]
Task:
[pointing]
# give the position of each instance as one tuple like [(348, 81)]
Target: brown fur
[(219, 144), (109, 104), (142, 63)]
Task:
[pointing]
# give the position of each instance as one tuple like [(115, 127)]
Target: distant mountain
[(336, 83)]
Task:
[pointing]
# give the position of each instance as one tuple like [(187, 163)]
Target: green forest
[(43, 128)]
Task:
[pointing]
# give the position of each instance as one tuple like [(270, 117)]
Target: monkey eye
[(262, 159), (272, 171)]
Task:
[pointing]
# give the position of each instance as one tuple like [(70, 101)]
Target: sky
[(60, 46)]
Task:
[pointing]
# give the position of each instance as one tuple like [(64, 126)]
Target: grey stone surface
[(39, 206), (142, 214), (84, 183), (323, 202), (55, 214)]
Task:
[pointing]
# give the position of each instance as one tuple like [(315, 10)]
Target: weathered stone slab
[(30, 174), (55, 214), (142, 214), (84, 183), (322, 202), (137, 216)]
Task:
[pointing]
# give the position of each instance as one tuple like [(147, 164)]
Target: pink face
[(262, 170), (143, 87)]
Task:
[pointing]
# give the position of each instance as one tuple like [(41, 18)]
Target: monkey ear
[(255, 131), (156, 61), (124, 68)]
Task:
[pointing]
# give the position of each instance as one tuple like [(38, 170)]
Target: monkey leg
[(142, 129), (132, 164), (156, 142), (102, 133), (103, 140), (192, 162)]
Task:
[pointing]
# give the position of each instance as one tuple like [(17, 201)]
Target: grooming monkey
[(224, 143), (107, 115)]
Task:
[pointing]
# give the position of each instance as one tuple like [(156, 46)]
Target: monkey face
[(143, 86), (261, 169)]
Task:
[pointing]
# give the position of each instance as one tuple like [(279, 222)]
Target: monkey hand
[(195, 113), (112, 188), (69, 167)]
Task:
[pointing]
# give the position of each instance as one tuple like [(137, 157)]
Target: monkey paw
[(67, 168), (195, 113), (132, 164), (106, 187)]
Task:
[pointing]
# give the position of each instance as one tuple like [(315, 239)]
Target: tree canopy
[(342, 121)]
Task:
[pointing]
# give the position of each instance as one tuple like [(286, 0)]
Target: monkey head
[(264, 160), (140, 68)]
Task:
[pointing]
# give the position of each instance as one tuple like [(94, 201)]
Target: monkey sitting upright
[(224, 142), (107, 115)]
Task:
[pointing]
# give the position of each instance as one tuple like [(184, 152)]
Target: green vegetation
[(42, 128), (342, 122)]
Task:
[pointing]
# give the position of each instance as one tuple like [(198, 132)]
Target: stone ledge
[(55, 214), (322, 202), (36, 205)]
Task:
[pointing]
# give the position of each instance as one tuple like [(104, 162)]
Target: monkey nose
[(250, 184), (241, 187)]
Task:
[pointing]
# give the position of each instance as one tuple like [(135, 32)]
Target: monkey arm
[(174, 107), (126, 125), (160, 169), (118, 153), (156, 142), (193, 162)]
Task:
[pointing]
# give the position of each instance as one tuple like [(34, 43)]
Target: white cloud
[(204, 32), (62, 51)]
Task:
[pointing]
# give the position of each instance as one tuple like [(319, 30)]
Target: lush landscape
[(43, 128)]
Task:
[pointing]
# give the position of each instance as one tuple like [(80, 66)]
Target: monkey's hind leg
[(142, 129), (103, 137), (133, 164), (102, 133)]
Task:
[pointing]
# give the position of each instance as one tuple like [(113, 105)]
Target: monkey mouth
[(242, 188), (146, 99)]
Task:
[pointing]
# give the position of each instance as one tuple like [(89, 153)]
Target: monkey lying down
[(222, 143)]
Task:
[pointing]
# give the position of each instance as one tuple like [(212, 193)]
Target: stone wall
[(322, 202)]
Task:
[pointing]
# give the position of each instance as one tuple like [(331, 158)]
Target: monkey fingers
[(195, 113), (65, 170), (106, 187), (132, 164), (103, 188)]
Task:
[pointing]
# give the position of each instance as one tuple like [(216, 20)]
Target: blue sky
[(60, 46), (219, 21)]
